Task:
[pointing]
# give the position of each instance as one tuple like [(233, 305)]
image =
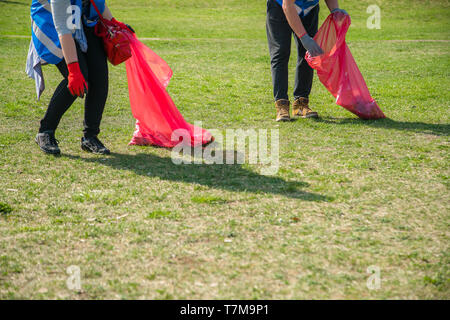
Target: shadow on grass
[(227, 177), (428, 128)]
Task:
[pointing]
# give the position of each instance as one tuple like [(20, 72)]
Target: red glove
[(123, 25), (77, 85)]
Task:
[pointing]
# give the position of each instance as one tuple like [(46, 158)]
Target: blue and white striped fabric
[(43, 32), (45, 47), (303, 6)]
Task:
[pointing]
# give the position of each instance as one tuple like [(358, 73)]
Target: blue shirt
[(45, 46), (303, 6)]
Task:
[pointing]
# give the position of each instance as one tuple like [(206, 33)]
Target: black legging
[(94, 68)]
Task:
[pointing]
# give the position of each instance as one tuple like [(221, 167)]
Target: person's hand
[(77, 85), (311, 46), (123, 25), (339, 10)]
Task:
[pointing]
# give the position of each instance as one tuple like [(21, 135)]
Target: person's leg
[(96, 95), (97, 84), (60, 102), (279, 35), (304, 73), (62, 99)]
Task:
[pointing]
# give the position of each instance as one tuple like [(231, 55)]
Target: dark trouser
[(94, 67), (279, 35)]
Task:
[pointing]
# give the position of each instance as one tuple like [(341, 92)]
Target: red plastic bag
[(337, 69), (156, 115)]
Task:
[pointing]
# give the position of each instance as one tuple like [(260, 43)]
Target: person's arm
[(60, 18), (293, 18), (333, 5), (297, 26), (68, 48), (107, 13), (108, 16), (77, 84)]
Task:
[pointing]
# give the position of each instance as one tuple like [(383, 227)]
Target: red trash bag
[(156, 115), (337, 69)]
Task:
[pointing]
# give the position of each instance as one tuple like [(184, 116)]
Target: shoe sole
[(283, 120), (311, 116), (90, 151), (307, 116)]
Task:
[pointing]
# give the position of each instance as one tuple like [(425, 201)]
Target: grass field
[(349, 193)]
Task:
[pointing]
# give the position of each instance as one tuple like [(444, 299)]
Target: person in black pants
[(94, 68), (301, 18), (85, 71)]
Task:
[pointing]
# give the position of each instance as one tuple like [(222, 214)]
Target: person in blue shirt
[(301, 18), (63, 38)]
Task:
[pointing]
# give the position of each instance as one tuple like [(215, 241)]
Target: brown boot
[(301, 109), (282, 106)]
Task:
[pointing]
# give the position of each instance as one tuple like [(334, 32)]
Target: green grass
[(349, 193), (5, 208)]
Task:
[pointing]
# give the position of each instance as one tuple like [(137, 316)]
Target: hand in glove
[(311, 46), (77, 85), (123, 25), (339, 10)]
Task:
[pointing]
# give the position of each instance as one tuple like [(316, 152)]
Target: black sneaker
[(47, 142), (92, 144)]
